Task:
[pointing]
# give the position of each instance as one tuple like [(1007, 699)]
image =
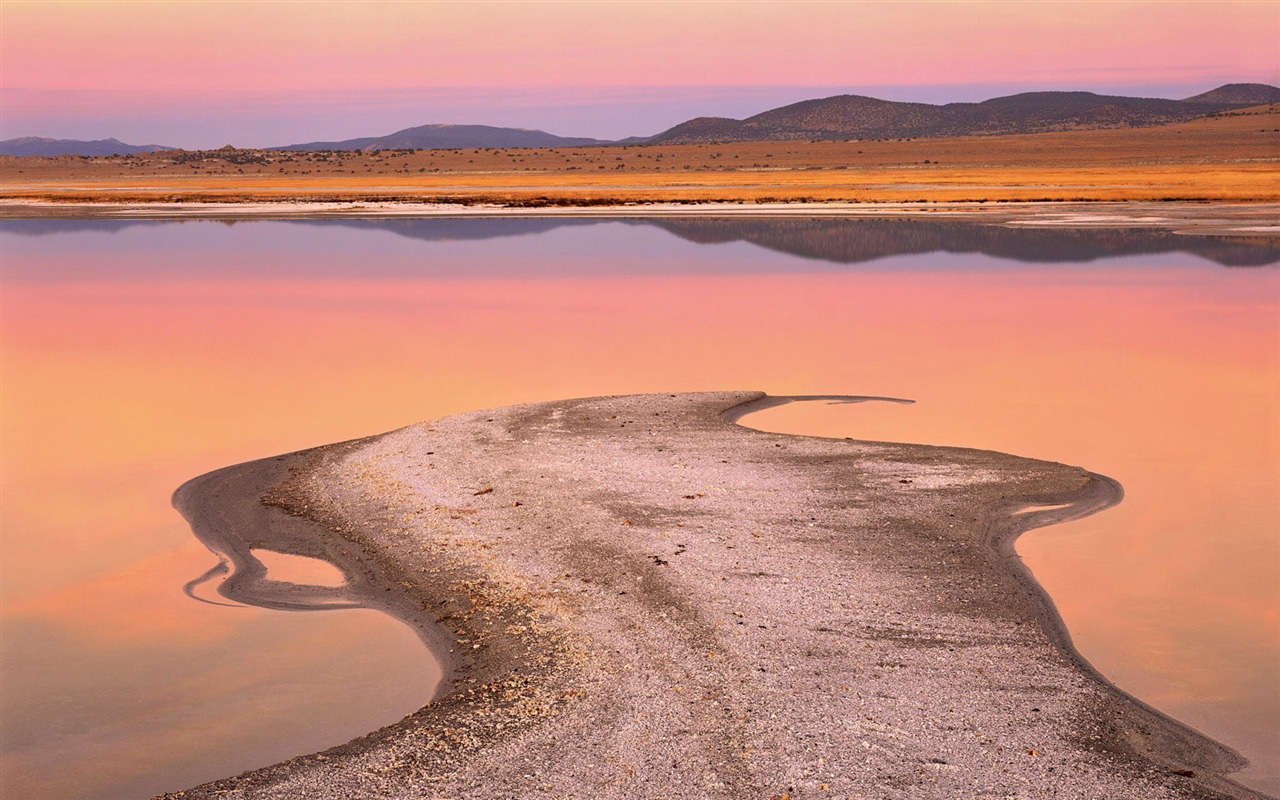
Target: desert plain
[(1229, 157)]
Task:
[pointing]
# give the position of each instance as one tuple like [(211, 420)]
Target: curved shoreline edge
[(585, 678), (1163, 738), (1151, 732)]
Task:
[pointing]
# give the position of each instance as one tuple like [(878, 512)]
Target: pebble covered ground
[(634, 597)]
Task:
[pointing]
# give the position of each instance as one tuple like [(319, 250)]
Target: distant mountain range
[(40, 146), (830, 118), (857, 117)]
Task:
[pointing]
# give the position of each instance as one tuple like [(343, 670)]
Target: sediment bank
[(635, 597)]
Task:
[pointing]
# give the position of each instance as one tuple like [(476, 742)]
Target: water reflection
[(838, 241), (117, 686), (137, 358), (299, 570), (235, 536)]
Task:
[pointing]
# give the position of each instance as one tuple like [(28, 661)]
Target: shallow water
[(137, 355), (301, 570)]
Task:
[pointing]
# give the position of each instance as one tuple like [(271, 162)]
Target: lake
[(139, 354)]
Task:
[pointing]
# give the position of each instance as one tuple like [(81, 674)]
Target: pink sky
[(199, 73)]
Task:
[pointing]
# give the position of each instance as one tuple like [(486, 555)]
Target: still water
[(139, 354)]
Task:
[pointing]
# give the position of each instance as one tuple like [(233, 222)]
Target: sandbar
[(637, 597)]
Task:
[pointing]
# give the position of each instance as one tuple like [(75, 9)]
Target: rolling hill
[(858, 117), (41, 146), (837, 118), (1239, 94), (445, 137)]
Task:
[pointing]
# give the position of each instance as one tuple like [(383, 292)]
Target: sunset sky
[(204, 74)]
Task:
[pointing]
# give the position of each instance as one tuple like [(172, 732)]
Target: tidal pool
[(137, 355)]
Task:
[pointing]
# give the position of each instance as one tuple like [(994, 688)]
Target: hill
[(837, 118), (1223, 156), (858, 117), (446, 137), (41, 146), (1239, 94)]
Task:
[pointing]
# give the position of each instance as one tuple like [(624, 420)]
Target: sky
[(194, 74)]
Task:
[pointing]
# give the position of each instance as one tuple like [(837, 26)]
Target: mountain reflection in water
[(864, 240), (835, 240)]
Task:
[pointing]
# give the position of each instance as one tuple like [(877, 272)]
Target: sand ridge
[(635, 597)]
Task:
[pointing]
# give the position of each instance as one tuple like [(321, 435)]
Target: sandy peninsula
[(635, 597)]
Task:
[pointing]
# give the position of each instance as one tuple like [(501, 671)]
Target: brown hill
[(1226, 156), (857, 117), (1239, 94), (444, 137)]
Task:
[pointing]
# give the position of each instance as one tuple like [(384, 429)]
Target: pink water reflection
[(1169, 381), (117, 390)]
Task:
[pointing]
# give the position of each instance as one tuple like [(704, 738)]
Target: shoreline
[(1170, 736), (1212, 218), (257, 519), (534, 656)]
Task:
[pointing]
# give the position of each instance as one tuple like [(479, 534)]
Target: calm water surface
[(137, 355)]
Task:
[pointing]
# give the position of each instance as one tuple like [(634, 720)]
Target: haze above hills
[(831, 118)]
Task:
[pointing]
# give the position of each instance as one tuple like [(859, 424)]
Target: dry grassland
[(1229, 157)]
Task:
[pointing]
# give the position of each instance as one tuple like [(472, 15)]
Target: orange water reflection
[(1162, 374), (1169, 384), (118, 686)]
